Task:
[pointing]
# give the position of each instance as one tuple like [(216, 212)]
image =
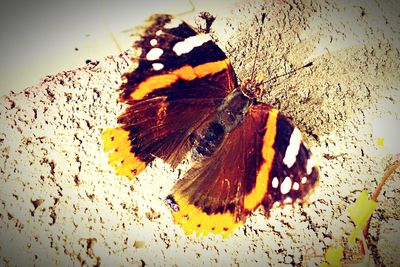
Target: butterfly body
[(228, 115), (184, 99)]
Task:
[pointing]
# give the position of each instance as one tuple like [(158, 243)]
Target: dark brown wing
[(180, 79), (294, 173), (219, 192)]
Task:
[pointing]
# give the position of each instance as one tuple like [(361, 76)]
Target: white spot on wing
[(293, 148), (174, 23), (288, 200), (159, 32), (310, 165), (304, 180), (189, 43), (296, 186), (157, 66), (286, 185), (153, 42), (154, 54), (275, 182)]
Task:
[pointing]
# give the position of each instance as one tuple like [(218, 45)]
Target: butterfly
[(183, 98)]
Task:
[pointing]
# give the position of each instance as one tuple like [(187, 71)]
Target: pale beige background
[(39, 38)]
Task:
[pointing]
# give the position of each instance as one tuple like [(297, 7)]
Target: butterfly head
[(253, 87)]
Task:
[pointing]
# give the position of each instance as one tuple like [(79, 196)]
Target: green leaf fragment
[(333, 256), (360, 212), (353, 235)]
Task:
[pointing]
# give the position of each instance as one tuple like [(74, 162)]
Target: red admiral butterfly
[(183, 99)]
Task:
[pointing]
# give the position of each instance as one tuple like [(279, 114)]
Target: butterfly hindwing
[(180, 78)]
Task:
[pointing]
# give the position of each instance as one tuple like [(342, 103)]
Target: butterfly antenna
[(257, 46), (290, 72), (192, 9)]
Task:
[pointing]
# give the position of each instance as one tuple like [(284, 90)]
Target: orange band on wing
[(254, 198), (186, 72), (193, 219), (121, 158), (211, 68)]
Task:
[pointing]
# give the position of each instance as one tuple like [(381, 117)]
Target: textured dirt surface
[(62, 204)]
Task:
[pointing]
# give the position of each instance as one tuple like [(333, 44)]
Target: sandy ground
[(62, 204)]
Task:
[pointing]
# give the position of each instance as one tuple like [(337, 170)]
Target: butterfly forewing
[(180, 79)]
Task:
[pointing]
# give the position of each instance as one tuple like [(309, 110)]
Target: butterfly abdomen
[(210, 140)]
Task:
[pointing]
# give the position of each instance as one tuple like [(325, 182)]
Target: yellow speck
[(380, 141)]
